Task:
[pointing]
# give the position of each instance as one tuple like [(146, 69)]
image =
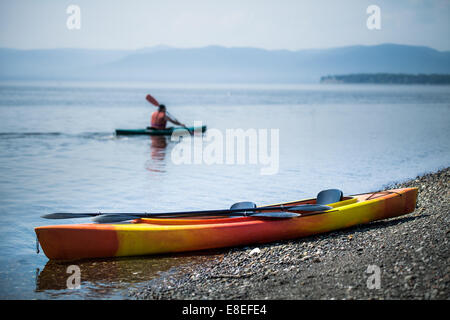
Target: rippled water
[(58, 152)]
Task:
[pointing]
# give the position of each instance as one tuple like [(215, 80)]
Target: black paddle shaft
[(305, 207)]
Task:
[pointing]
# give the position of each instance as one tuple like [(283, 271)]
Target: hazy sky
[(271, 24)]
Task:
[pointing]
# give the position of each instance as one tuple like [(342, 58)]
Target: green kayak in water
[(159, 132)]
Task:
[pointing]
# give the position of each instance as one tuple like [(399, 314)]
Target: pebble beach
[(409, 254)]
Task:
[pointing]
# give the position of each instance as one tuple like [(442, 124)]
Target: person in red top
[(160, 118)]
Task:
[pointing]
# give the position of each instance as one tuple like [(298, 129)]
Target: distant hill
[(390, 78), (54, 63), (219, 64)]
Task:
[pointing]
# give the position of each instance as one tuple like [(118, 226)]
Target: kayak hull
[(157, 236), (161, 132)]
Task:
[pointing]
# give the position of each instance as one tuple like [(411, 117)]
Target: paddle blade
[(152, 100), (64, 215), (310, 207), (280, 214), (112, 218)]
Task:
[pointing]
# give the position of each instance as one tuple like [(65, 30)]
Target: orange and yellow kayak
[(157, 236)]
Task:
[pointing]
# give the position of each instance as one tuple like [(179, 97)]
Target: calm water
[(58, 152)]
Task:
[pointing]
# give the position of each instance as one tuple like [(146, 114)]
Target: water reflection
[(103, 278), (158, 150), (158, 147)]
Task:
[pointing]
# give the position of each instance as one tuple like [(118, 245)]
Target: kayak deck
[(161, 132), (156, 236)]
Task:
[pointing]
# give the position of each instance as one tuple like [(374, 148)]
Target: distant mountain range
[(219, 64)]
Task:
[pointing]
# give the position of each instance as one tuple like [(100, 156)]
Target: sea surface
[(59, 152)]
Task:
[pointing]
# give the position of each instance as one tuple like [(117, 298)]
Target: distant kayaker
[(160, 118)]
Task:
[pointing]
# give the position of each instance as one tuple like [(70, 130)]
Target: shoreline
[(411, 252)]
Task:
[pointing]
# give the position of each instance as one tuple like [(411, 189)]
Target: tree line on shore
[(394, 78)]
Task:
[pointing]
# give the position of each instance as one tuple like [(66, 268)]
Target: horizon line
[(168, 47)]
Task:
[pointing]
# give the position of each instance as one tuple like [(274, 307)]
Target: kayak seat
[(329, 196), (243, 205)]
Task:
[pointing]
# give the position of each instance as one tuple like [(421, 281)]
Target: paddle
[(243, 212), (112, 218), (154, 102)]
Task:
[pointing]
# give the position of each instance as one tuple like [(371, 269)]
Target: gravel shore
[(411, 252)]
